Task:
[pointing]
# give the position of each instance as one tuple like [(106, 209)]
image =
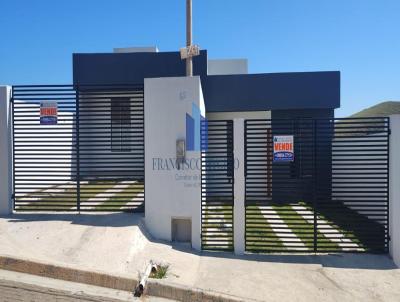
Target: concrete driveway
[(118, 244)]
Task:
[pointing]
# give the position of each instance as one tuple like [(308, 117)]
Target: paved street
[(17, 287)]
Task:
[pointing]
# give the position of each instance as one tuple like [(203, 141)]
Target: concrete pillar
[(394, 188), (5, 151), (173, 108), (239, 187)]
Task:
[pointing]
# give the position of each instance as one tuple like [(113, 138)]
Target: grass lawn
[(123, 199), (368, 234), (259, 235), (64, 197), (217, 227), (61, 197), (303, 229)]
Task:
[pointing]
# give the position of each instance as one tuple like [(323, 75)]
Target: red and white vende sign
[(283, 148), (48, 113)]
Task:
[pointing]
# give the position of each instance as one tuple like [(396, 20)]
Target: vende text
[(283, 146)]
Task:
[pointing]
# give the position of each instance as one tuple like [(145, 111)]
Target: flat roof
[(242, 92), (269, 91)]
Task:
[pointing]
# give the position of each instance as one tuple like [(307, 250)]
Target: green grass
[(259, 235), (347, 233), (90, 190), (217, 217), (122, 198), (66, 200), (160, 273), (354, 226), (42, 200), (303, 229)]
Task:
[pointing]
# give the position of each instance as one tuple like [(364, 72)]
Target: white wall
[(136, 49), (239, 211), (394, 189), (5, 151), (360, 200), (227, 66), (95, 122), (44, 154), (170, 192)]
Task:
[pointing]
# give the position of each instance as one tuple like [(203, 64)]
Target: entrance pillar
[(5, 151), (394, 188), (239, 220)]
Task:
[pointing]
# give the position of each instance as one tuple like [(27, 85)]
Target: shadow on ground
[(337, 260), (95, 220)]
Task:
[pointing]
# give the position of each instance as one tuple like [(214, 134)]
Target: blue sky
[(359, 38)]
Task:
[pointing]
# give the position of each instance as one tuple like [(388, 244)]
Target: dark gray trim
[(132, 68), (270, 91), (243, 92)]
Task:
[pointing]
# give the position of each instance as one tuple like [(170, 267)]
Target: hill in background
[(361, 127), (381, 109)]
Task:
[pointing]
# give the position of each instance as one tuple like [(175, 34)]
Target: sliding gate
[(78, 148), (332, 197)]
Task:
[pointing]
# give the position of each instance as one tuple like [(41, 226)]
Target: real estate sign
[(48, 113), (283, 148)]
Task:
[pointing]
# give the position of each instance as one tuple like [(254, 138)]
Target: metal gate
[(78, 148), (217, 174), (333, 197)]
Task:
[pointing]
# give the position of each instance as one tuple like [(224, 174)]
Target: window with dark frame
[(120, 125)]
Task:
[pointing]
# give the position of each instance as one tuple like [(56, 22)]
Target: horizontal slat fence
[(91, 159)]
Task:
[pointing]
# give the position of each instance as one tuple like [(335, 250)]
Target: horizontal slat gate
[(273, 191), (217, 174), (92, 159), (332, 198)]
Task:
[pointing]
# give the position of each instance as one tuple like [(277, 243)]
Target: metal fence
[(217, 176), (88, 157), (333, 197)]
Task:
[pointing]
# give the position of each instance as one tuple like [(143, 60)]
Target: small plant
[(160, 273)]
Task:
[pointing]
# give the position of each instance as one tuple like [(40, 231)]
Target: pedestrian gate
[(217, 174), (78, 148)]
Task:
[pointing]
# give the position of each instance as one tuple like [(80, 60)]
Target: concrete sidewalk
[(118, 244)]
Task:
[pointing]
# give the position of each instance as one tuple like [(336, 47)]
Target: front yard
[(94, 196), (289, 228)]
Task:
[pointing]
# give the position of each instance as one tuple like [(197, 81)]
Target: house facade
[(173, 105)]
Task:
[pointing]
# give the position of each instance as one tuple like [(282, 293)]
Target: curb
[(173, 291), (156, 288), (67, 274)]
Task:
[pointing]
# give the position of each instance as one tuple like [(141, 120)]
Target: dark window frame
[(121, 124)]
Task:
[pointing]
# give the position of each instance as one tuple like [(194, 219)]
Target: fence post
[(78, 163), (394, 188), (239, 221), (6, 204), (315, 184)]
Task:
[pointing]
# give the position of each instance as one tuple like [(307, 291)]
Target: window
[(120, 125)]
